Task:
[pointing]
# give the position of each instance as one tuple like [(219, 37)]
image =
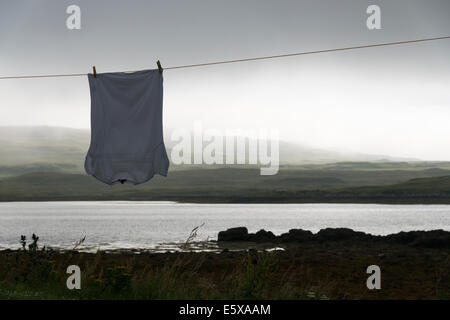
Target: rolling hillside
[(231, 185), (46, 163)]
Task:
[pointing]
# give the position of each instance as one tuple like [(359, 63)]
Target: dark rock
[(402, 237), (263, 236), (437, 243), (297, 235), (234, 234), (439, 239), (340, 234)]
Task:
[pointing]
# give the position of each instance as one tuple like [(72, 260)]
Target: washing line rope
[(244, 60)]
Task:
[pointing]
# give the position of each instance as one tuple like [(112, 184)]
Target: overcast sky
[(389, 100)]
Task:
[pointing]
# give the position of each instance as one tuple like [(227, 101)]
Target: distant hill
[(57, 149), (236, 185), (429, 186), (27, 149)]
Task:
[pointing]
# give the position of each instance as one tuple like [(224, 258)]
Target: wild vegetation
[(330, 270)]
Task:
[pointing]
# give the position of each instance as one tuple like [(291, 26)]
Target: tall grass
[(189, 276), (40, 273)]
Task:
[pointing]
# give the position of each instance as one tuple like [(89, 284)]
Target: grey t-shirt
[(126, 127)]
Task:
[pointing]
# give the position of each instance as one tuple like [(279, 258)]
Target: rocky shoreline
[(438, 239), (329, 264)]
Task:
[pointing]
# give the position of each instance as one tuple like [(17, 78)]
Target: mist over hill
[(47, 163), (59, 149)]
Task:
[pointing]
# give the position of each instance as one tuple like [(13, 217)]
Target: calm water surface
[(113, 225)]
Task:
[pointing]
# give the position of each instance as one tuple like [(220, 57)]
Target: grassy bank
[(304, 271)]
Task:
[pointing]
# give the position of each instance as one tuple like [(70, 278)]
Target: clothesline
[(245, 59)]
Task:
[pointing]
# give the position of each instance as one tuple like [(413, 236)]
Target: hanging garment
[(126, 127)]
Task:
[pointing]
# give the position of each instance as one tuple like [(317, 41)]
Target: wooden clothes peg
[(95, 72), (159, 67)]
